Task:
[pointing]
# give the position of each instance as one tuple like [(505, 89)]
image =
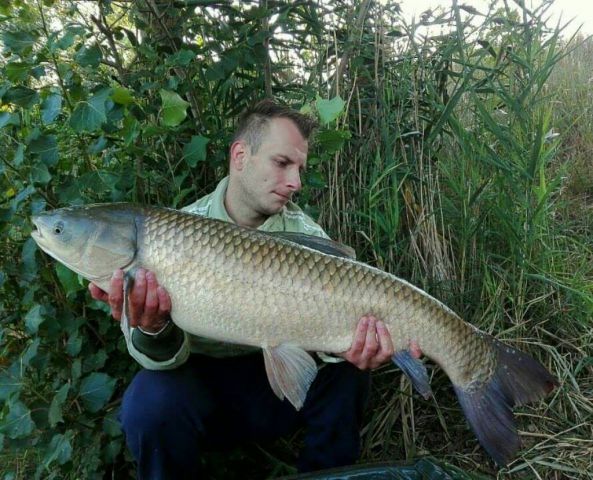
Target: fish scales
[(328, 294), (245, 286)]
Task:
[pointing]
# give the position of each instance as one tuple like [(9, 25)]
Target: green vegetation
[(458, 160)]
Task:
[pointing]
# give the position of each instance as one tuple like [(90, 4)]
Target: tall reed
[(452, 180)]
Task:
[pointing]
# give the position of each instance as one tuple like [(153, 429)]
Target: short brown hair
[(254, 122)]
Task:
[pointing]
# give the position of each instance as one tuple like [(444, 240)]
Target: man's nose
[(294, 181)]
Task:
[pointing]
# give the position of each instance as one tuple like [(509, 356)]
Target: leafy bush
[(437, 159)]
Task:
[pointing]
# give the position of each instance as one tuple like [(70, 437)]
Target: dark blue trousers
[(168, 417)]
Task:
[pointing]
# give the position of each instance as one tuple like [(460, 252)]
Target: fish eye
[(58, 228)]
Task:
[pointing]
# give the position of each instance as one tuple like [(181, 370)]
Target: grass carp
[(291, 294)]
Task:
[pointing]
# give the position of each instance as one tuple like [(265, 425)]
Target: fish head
[(93, 240)]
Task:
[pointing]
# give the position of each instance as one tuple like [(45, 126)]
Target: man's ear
[(239, 154)]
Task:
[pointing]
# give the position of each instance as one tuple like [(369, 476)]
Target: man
[(195, 393)]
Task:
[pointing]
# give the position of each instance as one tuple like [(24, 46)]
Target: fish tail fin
[(518, 379)]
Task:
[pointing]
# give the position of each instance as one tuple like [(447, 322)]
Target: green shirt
[(290, 219)]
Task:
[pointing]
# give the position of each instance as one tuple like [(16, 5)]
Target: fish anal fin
[(415, 370), (271, 373), (517, 379), (291, 371)]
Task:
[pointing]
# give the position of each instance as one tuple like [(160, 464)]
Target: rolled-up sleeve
[(143, 358)]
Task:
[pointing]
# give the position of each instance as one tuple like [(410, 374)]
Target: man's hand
[(372, 345), (149, 303)]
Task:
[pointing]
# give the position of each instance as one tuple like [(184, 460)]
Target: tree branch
[(266, 43), (362, 13), (54, 59), (191, 96), (106, 30)]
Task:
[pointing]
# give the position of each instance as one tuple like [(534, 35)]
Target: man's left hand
[(372, 345)]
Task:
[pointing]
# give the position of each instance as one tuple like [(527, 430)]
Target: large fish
[(291, 294)]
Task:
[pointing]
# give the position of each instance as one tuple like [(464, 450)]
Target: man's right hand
[(149, 304)]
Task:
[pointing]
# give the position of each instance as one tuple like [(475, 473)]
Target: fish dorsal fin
[(291, 370), (323, 245)]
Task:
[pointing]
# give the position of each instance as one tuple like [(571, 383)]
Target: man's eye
[(281, 163)]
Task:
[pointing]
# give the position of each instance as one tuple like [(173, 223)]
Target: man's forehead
[(284, 137), (285, 126)]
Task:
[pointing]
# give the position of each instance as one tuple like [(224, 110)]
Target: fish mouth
[(36, 233)]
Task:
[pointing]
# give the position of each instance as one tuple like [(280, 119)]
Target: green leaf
[(89, 56), (174, 108), (67, 39), (28, 260), (332, 140), (59, 449), (74, 344), (18, 422), (30, 353), (115, 114), (182, 58), (55, 408), (18, 42), (8, 118), (95, 361), (34, 318), (5, 9), (46, 147), (259, 37), (195, 151), (112, 450), (18, 71), (96, 390), (122, 95), (130, 131), (65, 71), (21, 96), (50, 108), (329, 110), (151, 130), (10, 381), (89, 115), (5, 118), (77, 366), (98, 146), (37, 72), (315, 179), (111, 425), (40, 174), (215, 72), (19, 155)]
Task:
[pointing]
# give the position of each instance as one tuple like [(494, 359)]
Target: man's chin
[(273, 208)]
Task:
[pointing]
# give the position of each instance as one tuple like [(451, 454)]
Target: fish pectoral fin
[(291, 371), (415, 370)]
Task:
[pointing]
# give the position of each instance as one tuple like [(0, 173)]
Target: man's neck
[(239, 212)]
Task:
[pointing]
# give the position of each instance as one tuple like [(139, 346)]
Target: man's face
[(271, 175)]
